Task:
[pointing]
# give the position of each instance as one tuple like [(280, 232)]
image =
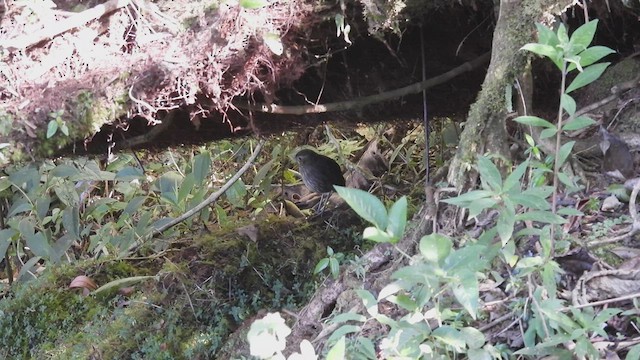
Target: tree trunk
[(484, 131)]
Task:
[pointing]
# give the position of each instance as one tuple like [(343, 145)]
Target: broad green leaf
[(377, 235), (578, 123), (471, 196), (42, 206), (38, 244), (567, 103), (563, 36), (489, 174), (547, 133), (534, 121), (591, 55), (475, 338), (589, 75), (513, 180), (397, 218), (71, 222), (52, 128), (6, 236), (481, 354), (467, 292), (546, 35), (541, 216), (549, 272), (346, 317), (64, 170), (236, 194), (18, 208), (334, 267), (569, 212), (435, 247), (168, 184), (582, 37), (338, 351), (201, 167), (365, 346), (134, 205), (129, 173), (531, 201), (369, 301), (542, 50), (389, 290), (187, 186), (450, 336), (67, 193), (341, 332), (539, 191), (27, 268), (253, 4), (365, 205), (567, 181), (262, 172), (506, 223), (565, 151), (478, 206), (321, 265)]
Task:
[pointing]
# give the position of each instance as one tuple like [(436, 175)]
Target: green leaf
[(566, 180), (489, 174), (542, 50), (52, 128), (71, 222), (591, 55), (134, 205), (262, 172), (565, 151), (201, 167), (435, 247), (369, 301), (530, 201), (546, 36), (563, 36), (236, 194), (467, 292), (64, 128), (541, 216), (547, 133), (578, 123), (478, 206), (534, 121), (334, 267), (475, 339), (338, 350), (120, 283), (567, 103), (168, 184), (321, 265), (582, 37), (569, 211), (397, 218), (469, 197), (6, 236), (506, 223), (450, 336), (346, 317), (513, 180), (367, 206), (377, 235), (589, 75), (253, 4)]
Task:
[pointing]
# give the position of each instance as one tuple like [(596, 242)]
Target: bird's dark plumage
[(319, 172)]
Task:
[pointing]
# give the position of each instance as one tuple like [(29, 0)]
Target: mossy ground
[(207, 287)]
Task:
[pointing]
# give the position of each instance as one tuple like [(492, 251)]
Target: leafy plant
[(332, 261), (57, 123)]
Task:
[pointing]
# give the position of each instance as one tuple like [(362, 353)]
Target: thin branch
[(213, 197)]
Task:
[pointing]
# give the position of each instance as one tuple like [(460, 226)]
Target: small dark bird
[(617, 160), (319, 173)]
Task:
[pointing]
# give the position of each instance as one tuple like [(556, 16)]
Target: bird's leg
[(321, 205)]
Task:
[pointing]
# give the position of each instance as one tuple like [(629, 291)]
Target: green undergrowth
[(206, 288)]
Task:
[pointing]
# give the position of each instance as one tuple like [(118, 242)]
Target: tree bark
[(484, 131)]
